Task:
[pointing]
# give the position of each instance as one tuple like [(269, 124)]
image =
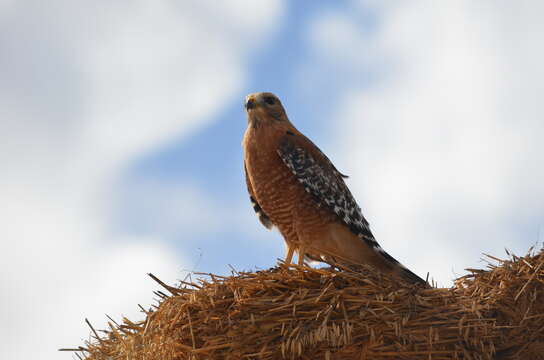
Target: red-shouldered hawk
[(295, 187)]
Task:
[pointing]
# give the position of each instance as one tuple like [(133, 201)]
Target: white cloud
[(444, 150), (86, 89), (182, 210)]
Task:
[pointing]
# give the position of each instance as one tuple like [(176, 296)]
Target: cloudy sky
[(121, 122)]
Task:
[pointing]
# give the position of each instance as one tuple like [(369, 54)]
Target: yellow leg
[(289, 255), (301, 254)]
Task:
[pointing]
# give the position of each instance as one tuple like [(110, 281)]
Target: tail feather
[(402, 270), (410, 276)]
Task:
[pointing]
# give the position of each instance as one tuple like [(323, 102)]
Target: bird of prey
[(293, 186)]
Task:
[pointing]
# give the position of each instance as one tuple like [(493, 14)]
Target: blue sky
[(211, 157), (121, 127)]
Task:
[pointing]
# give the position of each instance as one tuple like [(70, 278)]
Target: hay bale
[(304, 313)]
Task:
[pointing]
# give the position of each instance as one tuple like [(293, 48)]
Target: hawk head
[(264, 108)]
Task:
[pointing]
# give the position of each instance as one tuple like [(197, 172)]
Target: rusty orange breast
[(276, 189)]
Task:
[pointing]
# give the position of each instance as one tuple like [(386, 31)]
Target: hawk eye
[(269, 100)]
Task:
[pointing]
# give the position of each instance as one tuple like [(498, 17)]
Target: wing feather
[(325, 183)]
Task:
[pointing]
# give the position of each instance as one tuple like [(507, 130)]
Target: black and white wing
[(326, 184)]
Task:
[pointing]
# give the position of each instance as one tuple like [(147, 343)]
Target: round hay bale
[(306, 313)]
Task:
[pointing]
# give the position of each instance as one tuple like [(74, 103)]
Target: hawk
[(293, 186)]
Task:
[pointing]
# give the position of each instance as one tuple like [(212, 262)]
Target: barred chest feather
[(275, 188)]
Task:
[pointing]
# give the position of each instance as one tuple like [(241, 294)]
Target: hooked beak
[(251, 102)]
